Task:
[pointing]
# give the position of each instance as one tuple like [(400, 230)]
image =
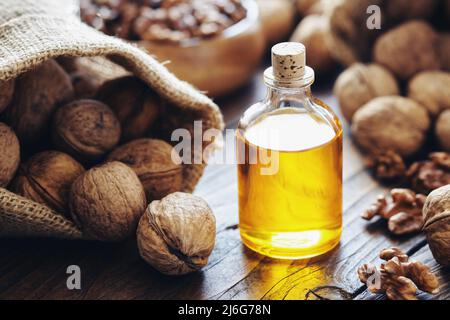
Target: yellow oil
[(295, 211)]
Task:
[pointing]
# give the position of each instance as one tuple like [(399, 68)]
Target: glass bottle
[(289, 152)]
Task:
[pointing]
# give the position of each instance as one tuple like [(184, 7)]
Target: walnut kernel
[(433, 173)]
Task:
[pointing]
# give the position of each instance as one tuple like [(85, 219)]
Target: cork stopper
[(288, 61)]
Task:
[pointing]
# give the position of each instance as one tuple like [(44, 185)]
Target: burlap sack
[(32, 32)]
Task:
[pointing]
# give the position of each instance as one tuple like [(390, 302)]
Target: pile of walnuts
[(162, 20), (94, 154)]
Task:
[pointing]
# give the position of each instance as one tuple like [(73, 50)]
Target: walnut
[(308, 7), (433, 173), (399, 49), (443, 130), (391, 123), (436, 215), (430, 89), (402, 208), (159, 170), (37, 95), (387, 165), (9, 156), (69, 64), (444, 50), (86, 129), (85, 86), (107, 202), (313, 32), (399, 277), (135, 104), (46, 178), (177, 234), (360, 83), (277, 19), (6, 93)]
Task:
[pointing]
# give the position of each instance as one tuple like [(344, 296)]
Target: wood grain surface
[(36, 268)]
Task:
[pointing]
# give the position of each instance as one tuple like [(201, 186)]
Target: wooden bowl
[(220, 64)]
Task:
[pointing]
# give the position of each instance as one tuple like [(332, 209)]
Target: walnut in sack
[(9, 156), (436, 215), (86, 129), (38, 93), (177, 234), (399, 277), (402, 208), (159, 170), (84, 85), (443, 130), (6, 93), (106, 202), (433, 173), (137, 107), (46, 178)]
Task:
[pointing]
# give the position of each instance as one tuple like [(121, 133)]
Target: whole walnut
[(307, 7), (443, 130), (314, 33), (135, 104), (38, 94), (360, 83), (84, 85), (353, 39), (177, 234), (106, 202), (391, 123), (277, 19), (9, 156), (86, 129), (444, 50), (436, 215), (431, 90), (46, 178), (408, 49), (6, 93), (159, 170)]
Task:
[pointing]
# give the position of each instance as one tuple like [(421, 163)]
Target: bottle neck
[(278, 96)]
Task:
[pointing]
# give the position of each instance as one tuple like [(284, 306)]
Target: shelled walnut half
[(399, 277), (426, 176), (402, 208)]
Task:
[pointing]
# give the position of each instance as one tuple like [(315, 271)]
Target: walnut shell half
[(86, 129), (152, 161), (47, 177), (177, 234), (9, 155), (436, 215), (391, 123), (107, 201)]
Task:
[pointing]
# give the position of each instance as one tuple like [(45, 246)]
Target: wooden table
[(36, 269)]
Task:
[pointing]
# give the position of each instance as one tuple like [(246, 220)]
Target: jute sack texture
[(31, 32)]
